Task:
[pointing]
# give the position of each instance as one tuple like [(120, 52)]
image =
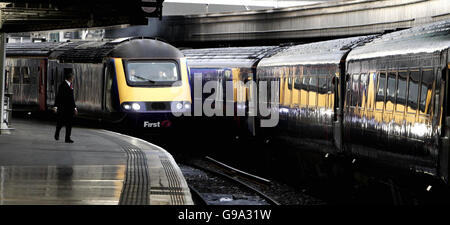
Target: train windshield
[(152, 73)]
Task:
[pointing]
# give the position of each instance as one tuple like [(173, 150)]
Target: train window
[(401, 91), (364, 83), (425, 93), (7, 81), (16, 75), (283, 84), (348, 88), (391, 89), (152, 73), (305, 82), (289, 83), (323, 85), (109, 93), (25, 71), (276, 93), (313, 83), (413, 91), (423, 98), (354, 90), (381, 87), (297, 82)]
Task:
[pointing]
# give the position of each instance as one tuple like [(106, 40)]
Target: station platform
[(101, 167)]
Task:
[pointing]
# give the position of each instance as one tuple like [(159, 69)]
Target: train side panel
[(306, 98), (392, 110), (25, 81)]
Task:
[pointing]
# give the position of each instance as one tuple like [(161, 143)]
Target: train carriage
[(396, 104), (26, 70), (236, 65), (309, 103)]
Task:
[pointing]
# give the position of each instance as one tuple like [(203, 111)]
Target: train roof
[(31, 49), (430, 38), (96, 51), (234, 57), (325, 52)]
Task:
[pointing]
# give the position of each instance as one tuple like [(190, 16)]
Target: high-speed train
[(138, 82), (380, 99)]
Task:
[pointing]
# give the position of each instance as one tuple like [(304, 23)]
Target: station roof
[(34, 15), (198, 7)]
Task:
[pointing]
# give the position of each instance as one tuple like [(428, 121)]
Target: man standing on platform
[(65, 107)]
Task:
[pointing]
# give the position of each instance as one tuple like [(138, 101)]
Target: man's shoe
[(69, 141), (56, 137)]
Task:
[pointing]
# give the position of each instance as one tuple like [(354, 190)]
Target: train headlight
[(126, 106), (179, 105), (136, 106), (187, 105)]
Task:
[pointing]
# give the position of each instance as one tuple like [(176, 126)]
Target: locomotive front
[(151, 87)]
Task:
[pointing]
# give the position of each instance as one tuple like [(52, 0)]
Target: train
[(379, 99), (136, 82)]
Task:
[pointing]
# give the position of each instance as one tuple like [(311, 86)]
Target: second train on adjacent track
[(380, 99)]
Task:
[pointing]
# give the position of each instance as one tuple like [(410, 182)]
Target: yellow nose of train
[(146, 85)]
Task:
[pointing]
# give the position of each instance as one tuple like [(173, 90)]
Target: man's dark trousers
[(66, 107), (66, 121)]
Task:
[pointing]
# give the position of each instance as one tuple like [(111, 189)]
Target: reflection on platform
[(61, 185)]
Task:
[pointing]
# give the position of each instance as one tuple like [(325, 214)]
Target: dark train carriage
[(86, 61), (395, 102), (26, 70), (308, 92), (227, 64)]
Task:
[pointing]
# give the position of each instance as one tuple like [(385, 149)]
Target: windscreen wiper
[(143, 78)]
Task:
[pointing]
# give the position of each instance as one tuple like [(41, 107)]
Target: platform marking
[(136, 182), (175, 190)]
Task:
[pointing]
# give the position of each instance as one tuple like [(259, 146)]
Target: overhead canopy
[(34, 15)]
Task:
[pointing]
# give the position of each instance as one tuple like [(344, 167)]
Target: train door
[(110, 99), (444, 151), (42, 85), (339, 87), (228, 90), (250, 99), (223, 76), (53, 81), (51, 84)]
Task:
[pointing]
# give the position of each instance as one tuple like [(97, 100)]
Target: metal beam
[(3, 125), (306, 23), (35, 15)]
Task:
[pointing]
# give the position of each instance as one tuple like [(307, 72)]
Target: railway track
[(222, 184)]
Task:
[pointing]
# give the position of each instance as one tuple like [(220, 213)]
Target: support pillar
[(3, 126)]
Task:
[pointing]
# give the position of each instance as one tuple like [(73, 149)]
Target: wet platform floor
[(101, 167)]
